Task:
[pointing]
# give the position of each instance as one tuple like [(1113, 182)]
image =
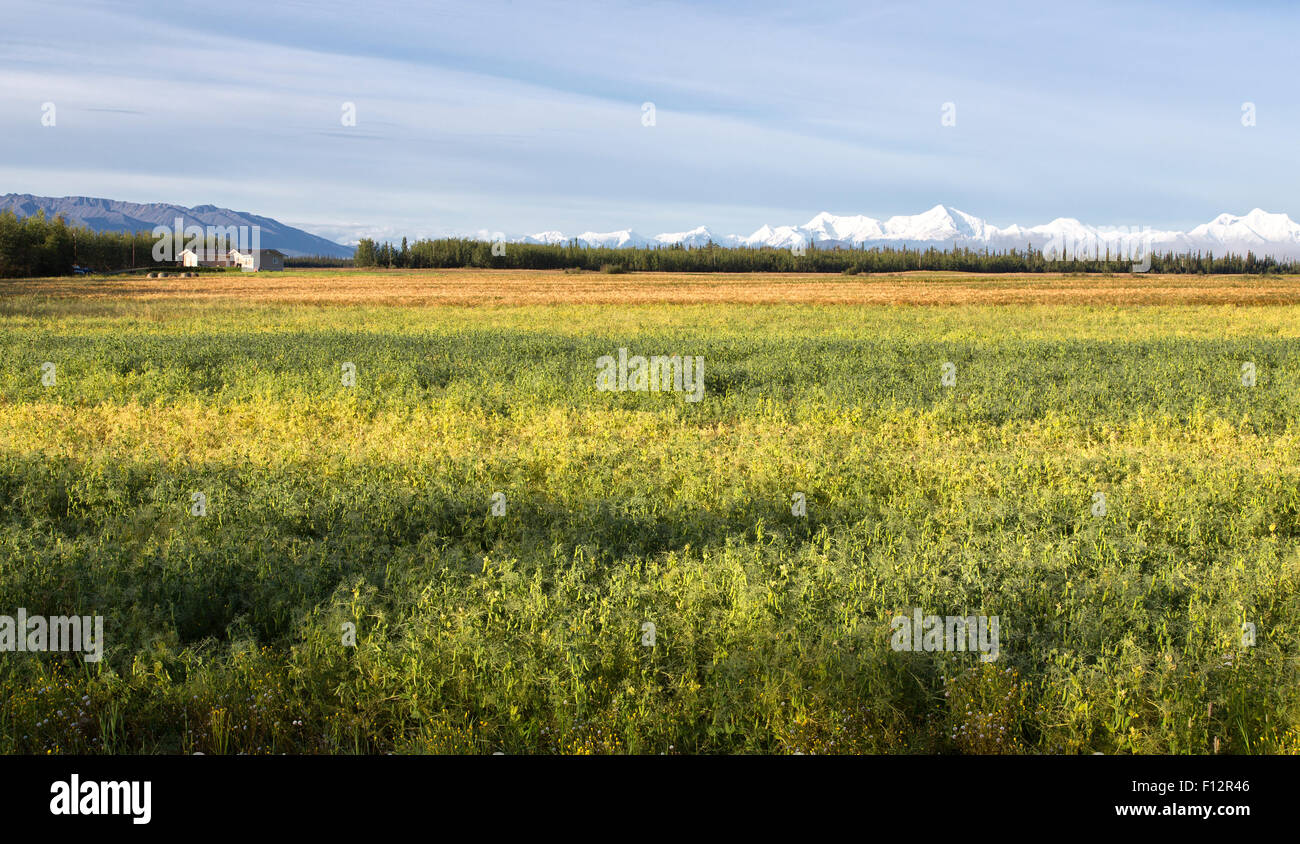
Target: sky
[(521, 117)]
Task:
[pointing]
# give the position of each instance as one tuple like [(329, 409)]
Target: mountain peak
[(1260, 231), (1257, 231), (942, 225)]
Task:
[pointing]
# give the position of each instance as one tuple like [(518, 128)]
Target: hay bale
[(153, 275)]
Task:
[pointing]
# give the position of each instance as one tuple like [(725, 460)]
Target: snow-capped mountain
[(699, 236), (943, 227), (1258, 227)]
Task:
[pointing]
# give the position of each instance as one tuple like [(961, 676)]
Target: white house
[(205, 257)]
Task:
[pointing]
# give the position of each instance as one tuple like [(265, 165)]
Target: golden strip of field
[(542, 287)]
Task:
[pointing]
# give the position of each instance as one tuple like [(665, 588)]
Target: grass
[(371, 506)]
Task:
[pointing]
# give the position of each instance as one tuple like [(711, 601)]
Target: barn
[(256, 260)]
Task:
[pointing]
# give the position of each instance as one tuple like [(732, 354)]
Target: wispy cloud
[(521, 117)]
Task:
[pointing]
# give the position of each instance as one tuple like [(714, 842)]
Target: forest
[(36, 247), (464, 252)]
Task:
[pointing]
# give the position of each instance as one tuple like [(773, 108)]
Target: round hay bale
[(162, 275), (153, 275)]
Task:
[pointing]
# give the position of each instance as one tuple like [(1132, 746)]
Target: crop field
[(531, 287), (346, 512)]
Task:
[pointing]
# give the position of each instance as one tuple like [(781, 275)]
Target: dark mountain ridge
[(114, 215)]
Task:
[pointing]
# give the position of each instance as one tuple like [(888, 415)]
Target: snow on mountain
[(827, 227), (943, 227), (759, 238), (938, 224), (696, 238), (782, 237), (1258, 227), (548, 238), (615, 240)]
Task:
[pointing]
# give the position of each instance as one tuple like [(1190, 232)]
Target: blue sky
[(527, 116)]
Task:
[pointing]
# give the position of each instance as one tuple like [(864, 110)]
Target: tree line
[(35, 246), (446, 253)]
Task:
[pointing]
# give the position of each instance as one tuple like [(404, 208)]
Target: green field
[(371, 505)]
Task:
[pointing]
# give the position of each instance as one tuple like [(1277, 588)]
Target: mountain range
[(112, 215), (942, 226)]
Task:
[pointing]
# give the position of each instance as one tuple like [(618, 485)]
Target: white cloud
[(523, 117)]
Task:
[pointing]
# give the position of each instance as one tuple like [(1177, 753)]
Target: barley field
[(462, 550)]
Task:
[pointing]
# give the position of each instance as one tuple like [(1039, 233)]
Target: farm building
[(261, 259), (205, 258), (254, 260)]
